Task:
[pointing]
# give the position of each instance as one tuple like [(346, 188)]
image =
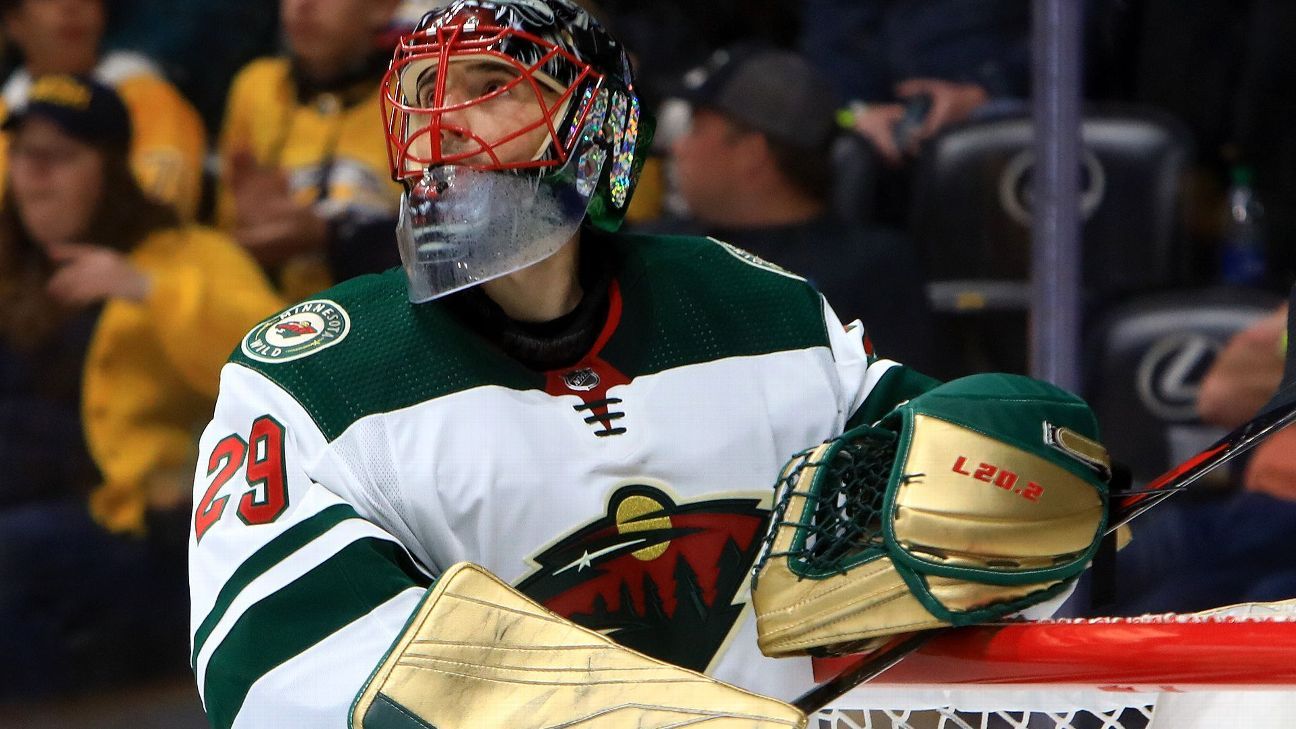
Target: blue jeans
[(81, 608), (1191, 554)]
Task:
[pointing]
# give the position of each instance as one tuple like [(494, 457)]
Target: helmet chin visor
[(461, 226)]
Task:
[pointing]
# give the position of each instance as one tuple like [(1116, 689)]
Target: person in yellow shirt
[(115, 320), (63, 36), (304, 175)]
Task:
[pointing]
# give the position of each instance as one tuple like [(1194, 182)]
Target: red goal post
[(1054, 672), (1152, 653)]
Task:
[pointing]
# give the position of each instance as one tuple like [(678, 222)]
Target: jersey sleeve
[(170, 143), (296, 590), (205, 296), (869, 386)]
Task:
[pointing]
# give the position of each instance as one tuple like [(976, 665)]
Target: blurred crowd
[(173, 171)]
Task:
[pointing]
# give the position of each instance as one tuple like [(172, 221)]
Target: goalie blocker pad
[(976, 499), (477, 653)]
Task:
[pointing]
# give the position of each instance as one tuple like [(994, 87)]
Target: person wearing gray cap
[(755, 168)]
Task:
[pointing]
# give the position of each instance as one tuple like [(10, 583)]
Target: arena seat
[(1146, 359), (854, 178), (971, 214)]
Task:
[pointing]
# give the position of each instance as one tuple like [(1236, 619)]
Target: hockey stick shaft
[(868, 667), (1242, 439), (1239, 441)]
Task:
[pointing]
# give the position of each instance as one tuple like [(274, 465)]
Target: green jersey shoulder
[(361, 347)]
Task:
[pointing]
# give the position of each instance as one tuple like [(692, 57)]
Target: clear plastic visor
[(461, 226)]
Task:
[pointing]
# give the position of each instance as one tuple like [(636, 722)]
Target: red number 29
[(226, 458), (267, 479)]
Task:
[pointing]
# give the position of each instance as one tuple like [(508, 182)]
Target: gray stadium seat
[(1146, 359), (972, 209), (854, 179)]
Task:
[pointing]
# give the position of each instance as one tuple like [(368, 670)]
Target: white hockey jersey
[(362, 444)]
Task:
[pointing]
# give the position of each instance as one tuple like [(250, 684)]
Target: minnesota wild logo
[(297, 332), (664, 578)]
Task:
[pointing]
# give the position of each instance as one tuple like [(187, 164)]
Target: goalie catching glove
[(976, 499), (479, 654)]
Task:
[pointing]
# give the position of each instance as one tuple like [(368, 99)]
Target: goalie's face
[(488, 118), (509, 122), (483, 97)]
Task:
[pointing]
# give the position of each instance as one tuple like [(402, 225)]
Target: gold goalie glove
[(479, 654), (974, 500)]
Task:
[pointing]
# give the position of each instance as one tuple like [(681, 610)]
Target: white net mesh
[(988, 708), (1226, 667), (1133, 717)]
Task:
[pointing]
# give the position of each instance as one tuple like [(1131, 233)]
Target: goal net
[(1235, 666)]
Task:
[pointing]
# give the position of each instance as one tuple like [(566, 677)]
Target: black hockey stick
[(868, 667), (1279, 413), (1245, 437)]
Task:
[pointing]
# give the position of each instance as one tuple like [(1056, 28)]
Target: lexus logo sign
[(1017, 197), (1170, 374)]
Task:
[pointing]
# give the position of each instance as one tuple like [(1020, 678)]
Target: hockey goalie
[(524, 480)]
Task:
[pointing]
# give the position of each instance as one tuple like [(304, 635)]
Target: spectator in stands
[(304, 182), (755, 170), (114, 323), (1243, 378), (1204, 550), (1246, 373), (63, 37), (883, 53), (909, 68)]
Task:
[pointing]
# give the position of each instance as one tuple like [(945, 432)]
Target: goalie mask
[(510, 122)]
